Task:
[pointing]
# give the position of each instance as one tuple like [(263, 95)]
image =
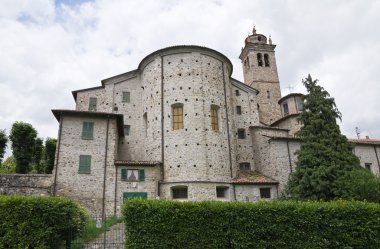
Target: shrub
[(338, 224), (38, 222)]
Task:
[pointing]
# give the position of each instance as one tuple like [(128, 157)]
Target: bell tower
[(260, 72)]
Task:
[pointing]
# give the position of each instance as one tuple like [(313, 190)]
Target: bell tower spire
[(260, 72)]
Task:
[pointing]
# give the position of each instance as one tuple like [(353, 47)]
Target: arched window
[(214, 117), (177, 113), (259, 59), (266, 60)]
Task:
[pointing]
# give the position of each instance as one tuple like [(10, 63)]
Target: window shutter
[(88, 130), (84, 164), (126, 97), (123, 174), (141, 175)]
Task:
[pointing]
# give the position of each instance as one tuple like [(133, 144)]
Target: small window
[(266, 60), (84, 164), (221, 192), (179, 192), (241, 133), (248, 63), (88, 130), (238, 109), (244, 166), (214, 117), (132, 175), (237, 93), (92, 104), (299, 104), (177, 111), (368, 166), (145, 118), (259, 60), (126, 97), (265, 193), (126, 130), (259, 38), (285, 108)]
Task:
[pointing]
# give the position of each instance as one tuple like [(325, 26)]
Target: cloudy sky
[(49, 48)]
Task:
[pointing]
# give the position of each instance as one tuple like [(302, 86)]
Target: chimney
[(366, 137)]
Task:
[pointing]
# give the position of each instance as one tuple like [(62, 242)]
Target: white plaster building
[(180, 127)]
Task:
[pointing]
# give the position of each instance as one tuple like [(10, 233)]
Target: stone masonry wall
[(87, 189), (20, 184), (367, 154), (252, 192)]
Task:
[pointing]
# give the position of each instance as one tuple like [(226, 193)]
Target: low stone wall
[(19, 184)]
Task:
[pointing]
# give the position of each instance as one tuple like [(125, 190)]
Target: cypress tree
[(325, 155)]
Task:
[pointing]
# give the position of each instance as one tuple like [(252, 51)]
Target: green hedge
[(165, 224), (38, 222)]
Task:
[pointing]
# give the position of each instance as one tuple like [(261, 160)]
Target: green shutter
[(126, 97), (88, 130), (123, 174), (84, 164), (92, 104), (141, 175)]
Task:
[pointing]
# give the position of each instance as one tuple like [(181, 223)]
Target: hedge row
[(38, 222), (165, 224)]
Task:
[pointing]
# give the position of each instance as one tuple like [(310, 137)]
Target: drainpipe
[(57, 158), (377, 158), (105, 172), (290, 160), (162, 130), (228, 131), (116, 179)]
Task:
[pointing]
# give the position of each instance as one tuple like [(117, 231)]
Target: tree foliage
[(23, 138), (3, 144), (8, 166), (49, 155), (325, 155), (38, 149)]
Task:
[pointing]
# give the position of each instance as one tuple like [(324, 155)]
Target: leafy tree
[(23, 138), (3, 144), (8, 166), (49, 155), (37, 156), (361, 184), (325, 155)]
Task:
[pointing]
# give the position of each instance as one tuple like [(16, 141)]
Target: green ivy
[(38, 222), (286, 224)]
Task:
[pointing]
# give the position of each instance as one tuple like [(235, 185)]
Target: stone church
[(179, 127)]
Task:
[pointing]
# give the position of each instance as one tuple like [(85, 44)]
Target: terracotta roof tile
[(136, 163)]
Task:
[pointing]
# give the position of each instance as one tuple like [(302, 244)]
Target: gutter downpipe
[(290, 160), (104, 178), (57, 158), (162, 130), (228, 130), (377, 157)]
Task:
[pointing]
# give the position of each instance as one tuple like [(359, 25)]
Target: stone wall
[(251, 193), (368, 154), (19, 184)]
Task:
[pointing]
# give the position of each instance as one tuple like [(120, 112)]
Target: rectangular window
[(238, 110), (214, 118), (179, 193), (285, 108), (177, 117), (244, 166), (126, 97), (221, 192), (88, 130), (265, 193), (237, 93), (126, 130), (368, 166), (84, 164), (241, 133), (92, 104), (132, 175), (299, 104)]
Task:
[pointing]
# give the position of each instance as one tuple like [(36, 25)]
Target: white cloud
[(50, 49)]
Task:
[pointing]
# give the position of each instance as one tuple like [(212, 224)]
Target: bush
[(338, 224), (38, 222), (361, 184)]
